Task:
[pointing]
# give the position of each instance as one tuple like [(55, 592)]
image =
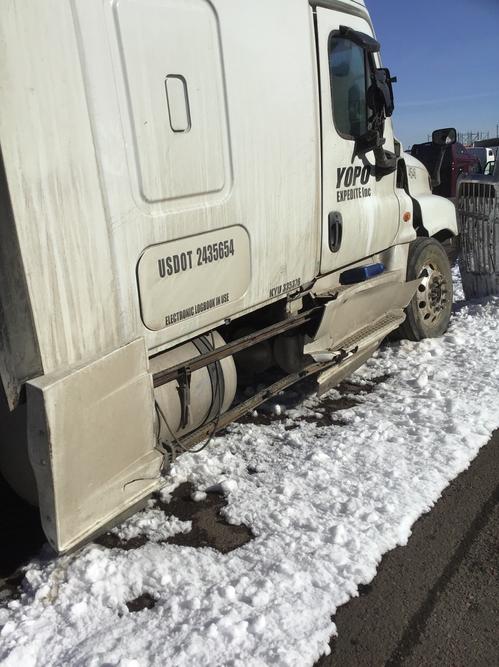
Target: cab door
[(360, 215)]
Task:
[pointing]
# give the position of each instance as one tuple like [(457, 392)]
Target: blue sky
[(445, 54)]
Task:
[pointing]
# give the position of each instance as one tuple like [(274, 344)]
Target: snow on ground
[(325, 504)]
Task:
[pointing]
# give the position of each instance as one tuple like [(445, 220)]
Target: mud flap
[(91, 440)]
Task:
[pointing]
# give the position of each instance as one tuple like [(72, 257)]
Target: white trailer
[(186, 183)]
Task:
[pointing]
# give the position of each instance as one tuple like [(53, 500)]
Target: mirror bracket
[(368, 142), (385, 161)]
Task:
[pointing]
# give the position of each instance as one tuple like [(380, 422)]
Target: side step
[(362, 309), (358, 348), (373, 332)]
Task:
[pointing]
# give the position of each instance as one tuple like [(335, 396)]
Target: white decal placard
[(188, 277)]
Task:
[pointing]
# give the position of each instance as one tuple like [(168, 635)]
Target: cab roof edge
[(340, 4)]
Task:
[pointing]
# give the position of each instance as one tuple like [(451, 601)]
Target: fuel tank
[(207, 392)]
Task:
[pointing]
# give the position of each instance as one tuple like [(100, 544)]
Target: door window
[(347, 72)]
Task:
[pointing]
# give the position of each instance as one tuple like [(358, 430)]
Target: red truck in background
[(457, 160)]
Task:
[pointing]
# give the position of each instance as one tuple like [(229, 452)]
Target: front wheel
[(428, 313)]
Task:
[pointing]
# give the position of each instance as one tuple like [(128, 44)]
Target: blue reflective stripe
[(361, 273)]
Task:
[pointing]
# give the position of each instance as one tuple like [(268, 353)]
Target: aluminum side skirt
[(92, 443)]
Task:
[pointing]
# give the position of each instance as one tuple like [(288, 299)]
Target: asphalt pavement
[(435, 601)]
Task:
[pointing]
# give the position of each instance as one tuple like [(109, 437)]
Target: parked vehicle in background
[(484, 155), (477, 207), (457, 160)]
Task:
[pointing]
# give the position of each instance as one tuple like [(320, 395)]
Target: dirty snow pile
[(324, 503)]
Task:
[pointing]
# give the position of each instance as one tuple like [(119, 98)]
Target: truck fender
[(437, 216)]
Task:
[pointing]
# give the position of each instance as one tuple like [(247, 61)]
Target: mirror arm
[(385, 161), (436, 176)]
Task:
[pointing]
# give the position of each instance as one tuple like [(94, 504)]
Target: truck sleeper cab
[(192, 192)]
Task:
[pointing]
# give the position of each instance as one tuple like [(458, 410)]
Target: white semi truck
[(191, 192)]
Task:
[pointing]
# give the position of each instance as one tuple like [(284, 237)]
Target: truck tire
[(428, 313)]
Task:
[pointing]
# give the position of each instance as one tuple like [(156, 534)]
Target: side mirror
[(384, 82), (380, 92), (444, 137)]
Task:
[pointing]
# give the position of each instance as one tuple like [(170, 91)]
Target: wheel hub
[(433, 293)]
